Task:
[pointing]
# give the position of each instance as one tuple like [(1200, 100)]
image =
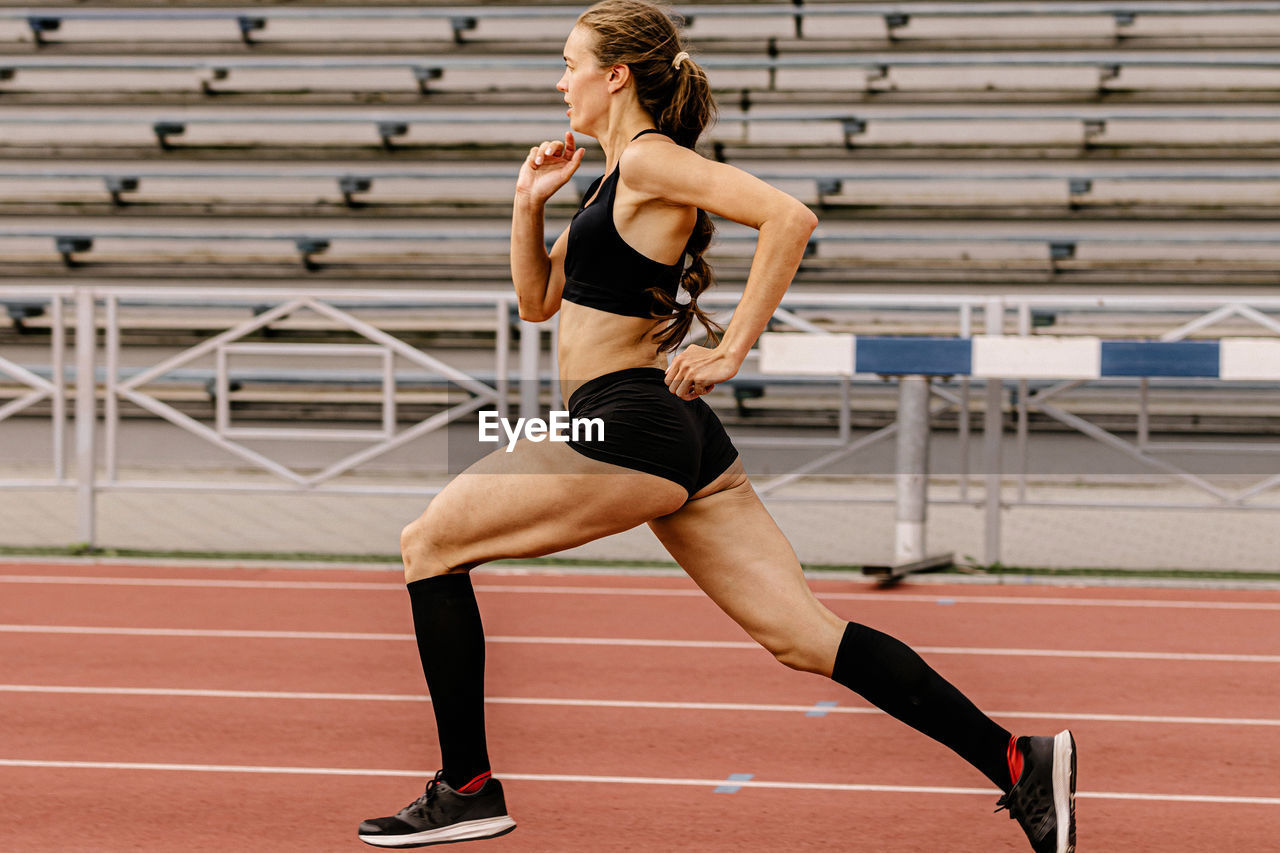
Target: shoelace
[(418, 807), (1023, 811)]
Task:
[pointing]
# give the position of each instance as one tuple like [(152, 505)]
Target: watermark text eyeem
[(560, 427)]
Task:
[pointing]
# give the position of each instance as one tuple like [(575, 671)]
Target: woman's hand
[(697, 370), (548, 167)]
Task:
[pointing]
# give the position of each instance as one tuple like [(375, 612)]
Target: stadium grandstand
[(130, 126), (953, 151), (256, 305)]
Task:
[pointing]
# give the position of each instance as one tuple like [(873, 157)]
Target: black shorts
[(647, 428)]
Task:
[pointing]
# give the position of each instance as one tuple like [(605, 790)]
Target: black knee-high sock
[(446, 620), (889, 675)]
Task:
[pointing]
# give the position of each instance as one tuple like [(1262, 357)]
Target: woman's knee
[(801, 657), (422, 549), (812, 649), (790, 649)]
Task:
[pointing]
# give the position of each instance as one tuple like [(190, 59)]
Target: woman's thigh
[(540, 498), (730, 545)]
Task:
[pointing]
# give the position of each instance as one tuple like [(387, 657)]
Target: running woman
[(664, 460)]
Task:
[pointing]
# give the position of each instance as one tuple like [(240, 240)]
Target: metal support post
[(86, 414), (913, 468), (912, 486), (530, 357), (992, 432)]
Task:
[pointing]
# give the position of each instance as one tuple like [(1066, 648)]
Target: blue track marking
[(820, 709), (733, 789)]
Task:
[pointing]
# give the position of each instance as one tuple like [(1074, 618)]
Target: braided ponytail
[(673, 89), (695, 279)]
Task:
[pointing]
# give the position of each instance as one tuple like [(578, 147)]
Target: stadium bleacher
[(790, 25), (949, 146)]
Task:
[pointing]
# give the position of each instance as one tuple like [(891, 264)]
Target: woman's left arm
[(680, 176)]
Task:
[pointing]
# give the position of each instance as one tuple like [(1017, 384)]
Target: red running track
[(177, 709)]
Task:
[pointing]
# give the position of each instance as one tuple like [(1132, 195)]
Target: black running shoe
[(442, 816), (1044, 799)]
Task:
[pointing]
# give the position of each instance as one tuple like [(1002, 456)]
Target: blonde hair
[(673, 89)]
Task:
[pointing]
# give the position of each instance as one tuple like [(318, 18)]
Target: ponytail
[(688, 106), (675, 92), (695, 279)]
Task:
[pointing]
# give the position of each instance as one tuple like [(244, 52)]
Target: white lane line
[(220, 633), (1098, 655), (1145, 719), (1030, 600), (226, 633), (607, 703), (623, 780), (667, 592), (922, 598), (202, 583)]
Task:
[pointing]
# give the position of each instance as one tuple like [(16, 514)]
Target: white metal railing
[(100, 309), (279, 304), (34, 388)]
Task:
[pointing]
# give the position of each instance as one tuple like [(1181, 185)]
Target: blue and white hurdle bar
[(1010, 357), (994, 357)]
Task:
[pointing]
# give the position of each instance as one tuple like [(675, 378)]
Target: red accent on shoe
[(475, 784), (1014, 755)]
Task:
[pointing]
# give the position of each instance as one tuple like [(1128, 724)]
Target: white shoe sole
[(471, 830), (1064, 790)]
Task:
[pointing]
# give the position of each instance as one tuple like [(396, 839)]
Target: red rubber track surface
[(1179, 748)]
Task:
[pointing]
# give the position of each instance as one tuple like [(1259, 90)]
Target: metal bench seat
[(83, 241), (891, 129), (941, 188), (800, 22), (1085, 72)]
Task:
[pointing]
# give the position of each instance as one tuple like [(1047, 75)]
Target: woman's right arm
[(537, 275)]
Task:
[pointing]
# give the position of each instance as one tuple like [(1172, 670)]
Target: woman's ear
[(619, 78)]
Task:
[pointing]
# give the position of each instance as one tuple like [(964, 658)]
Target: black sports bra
[(603, 271)]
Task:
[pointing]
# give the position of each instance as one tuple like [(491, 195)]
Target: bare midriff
[(593, 343)]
